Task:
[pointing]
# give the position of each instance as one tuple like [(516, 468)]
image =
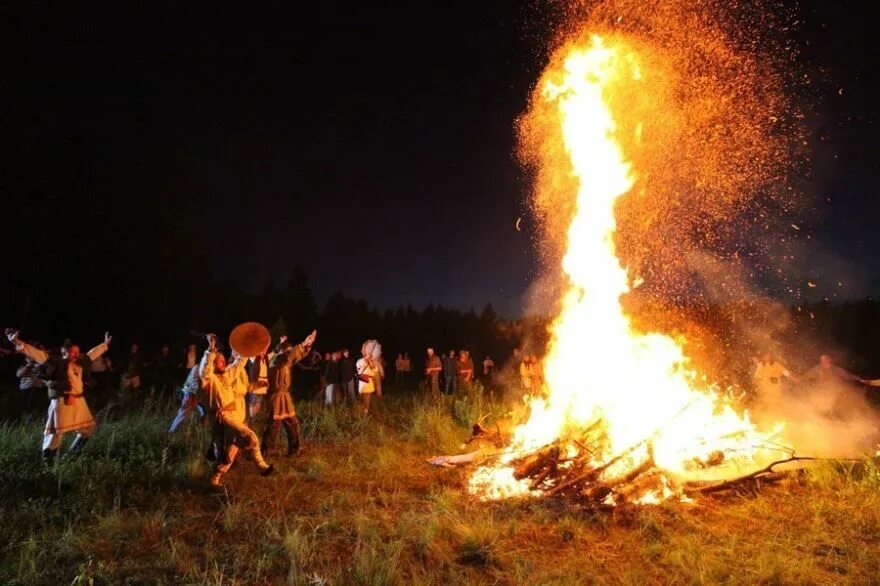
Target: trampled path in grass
[(360, 506)]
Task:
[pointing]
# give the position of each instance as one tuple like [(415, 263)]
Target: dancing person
[(433, 366), (189, 402), (63, 373), (226, 387), (282, 411)]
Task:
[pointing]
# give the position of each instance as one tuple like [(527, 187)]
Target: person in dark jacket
[(332, 377), (450, 373), (346, 376)]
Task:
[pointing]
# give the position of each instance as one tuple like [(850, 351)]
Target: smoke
[(832, 421)]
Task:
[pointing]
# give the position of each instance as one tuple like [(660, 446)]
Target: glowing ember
[(621, 403)]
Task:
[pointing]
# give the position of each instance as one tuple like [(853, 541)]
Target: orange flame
[(638, 387)]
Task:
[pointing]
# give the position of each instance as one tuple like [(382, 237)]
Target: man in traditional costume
[(63, 373), (464, 370), (225, 388), (282, 411), (258, 374), (190, 399)]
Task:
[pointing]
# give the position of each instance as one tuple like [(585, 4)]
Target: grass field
[(360, 506)]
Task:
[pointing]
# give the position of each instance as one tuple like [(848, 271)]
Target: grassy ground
[(360, 506)]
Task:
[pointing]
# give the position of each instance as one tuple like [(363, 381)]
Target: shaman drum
[(250, 339)]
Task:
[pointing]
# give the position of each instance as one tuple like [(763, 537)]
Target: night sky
[(374, 143)]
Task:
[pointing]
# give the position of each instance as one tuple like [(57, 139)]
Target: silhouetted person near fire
[(63, 373), (768, 376), (829, 383), (282, 411)]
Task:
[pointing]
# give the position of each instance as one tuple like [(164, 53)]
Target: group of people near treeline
[(232, 394)]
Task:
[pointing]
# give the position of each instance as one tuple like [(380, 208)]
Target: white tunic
[(72, 413)]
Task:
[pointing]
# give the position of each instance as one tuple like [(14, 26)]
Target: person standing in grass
[(464, 370), (282, 411), (433, 366), (258, 375), (488, 371), (28, 384), (346, 376), (190, 399), (63, 373), (450, 373), (332, 376), (399, 369), (368, 371), (226, 387), (407, 368)]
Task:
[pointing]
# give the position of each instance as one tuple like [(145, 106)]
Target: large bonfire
[(623, 416)]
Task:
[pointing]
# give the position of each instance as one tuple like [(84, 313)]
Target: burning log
[(592, 474), (536, 463)]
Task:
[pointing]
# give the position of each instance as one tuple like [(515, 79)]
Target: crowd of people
[(233, 394), (237, 394)]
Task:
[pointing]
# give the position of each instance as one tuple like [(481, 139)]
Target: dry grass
[(359, 506)]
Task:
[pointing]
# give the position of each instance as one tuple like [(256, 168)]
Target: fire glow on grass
[(636, 388)]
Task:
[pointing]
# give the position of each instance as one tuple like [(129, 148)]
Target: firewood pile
[(574, 471)]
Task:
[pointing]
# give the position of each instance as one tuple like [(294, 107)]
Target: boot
[(267, 470), (293, 437), (77, 443), (49, 456)]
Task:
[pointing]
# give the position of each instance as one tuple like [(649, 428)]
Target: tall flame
[(637, 386)]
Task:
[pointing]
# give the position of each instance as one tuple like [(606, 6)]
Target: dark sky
[(373, 143)]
